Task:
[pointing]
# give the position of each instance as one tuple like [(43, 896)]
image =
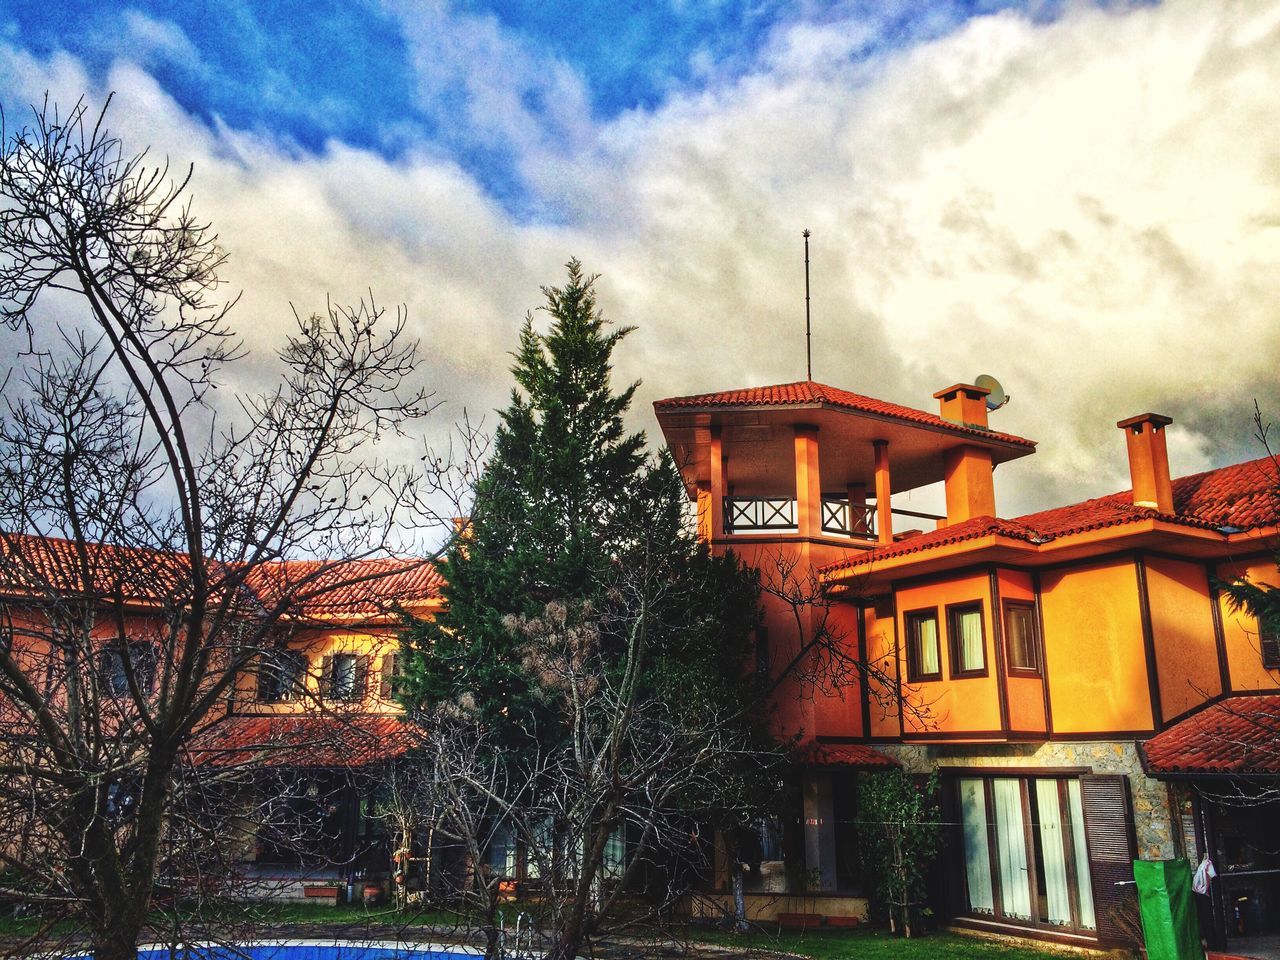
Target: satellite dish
[(996, 398)]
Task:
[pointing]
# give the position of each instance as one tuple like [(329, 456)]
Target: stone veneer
[(1153, 811)]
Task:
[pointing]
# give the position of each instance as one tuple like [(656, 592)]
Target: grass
[(874, 944)]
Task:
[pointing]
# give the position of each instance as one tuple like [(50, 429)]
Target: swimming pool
[(315, 950)]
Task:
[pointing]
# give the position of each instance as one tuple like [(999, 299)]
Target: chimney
[(964, 403), (967, 468), (1149, 461)]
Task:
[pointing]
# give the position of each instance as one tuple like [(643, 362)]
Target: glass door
[(1024, 852)]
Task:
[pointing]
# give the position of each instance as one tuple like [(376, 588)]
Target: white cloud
[(1089, 209)]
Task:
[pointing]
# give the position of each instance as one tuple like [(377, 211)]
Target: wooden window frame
[(271, 688), (1031, 846), (953, 611), (909, 620), (359, 681), (1036, 672)]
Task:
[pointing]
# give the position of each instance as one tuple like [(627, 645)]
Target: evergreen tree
[(568, 500)]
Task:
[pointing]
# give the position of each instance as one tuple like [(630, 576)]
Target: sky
[(1080, 198)]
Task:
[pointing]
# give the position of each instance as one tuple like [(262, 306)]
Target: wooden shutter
[(1108, 830), (386, 675), (1269, 640), (264, 678), (360, 683), (326, 677)]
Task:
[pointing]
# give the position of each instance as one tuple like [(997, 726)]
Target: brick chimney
[(1149, 461), (967, 469)]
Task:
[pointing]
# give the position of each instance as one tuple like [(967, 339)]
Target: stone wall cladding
[(1154, 823)]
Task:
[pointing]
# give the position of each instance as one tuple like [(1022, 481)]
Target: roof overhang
[(1148, 533), (762, 436)]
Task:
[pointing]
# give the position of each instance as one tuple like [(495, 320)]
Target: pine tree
[(567, 500)]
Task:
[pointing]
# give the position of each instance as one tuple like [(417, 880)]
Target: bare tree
[(141, 519)]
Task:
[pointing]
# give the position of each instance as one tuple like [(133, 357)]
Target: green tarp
[(1169, 920)]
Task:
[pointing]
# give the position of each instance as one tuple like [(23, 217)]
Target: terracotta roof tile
[(329, 741), (1243, 495), (354, 587), (41, 565), (858, 755), (1239, 735), (809, 392)]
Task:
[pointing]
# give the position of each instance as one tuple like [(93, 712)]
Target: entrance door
[(1025, 859)]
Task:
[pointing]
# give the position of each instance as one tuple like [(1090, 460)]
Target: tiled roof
[(328, 741), (40, 565), (1243, 496), (842, 755), (1238, 735), (809, 392), (354, 587)]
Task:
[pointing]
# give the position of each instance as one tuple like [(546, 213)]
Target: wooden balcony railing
[(746, 515)]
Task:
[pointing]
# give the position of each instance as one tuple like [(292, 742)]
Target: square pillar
[(719, 487), (808, 482), (884, 507), (819, 828)]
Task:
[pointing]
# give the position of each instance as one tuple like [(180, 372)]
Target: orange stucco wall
[(969, 704), (1182, 629), (882, 659), (799, 706), (1240, 631), (1094, 649)]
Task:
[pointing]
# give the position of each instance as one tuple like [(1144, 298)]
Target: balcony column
[(704, 512), (857, 508), (719, 488), (884, 508), (808, 482)]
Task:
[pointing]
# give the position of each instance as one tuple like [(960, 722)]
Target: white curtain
[(1015, 890), (1081, 850), (1057, 898), (928, 639), (977, 845), (971, 652)]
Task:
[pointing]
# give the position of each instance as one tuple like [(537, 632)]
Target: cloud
[(1086, 206)]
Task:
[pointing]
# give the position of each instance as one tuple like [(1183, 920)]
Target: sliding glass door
[(1025, 861)]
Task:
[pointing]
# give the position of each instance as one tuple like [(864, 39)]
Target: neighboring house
[(293, 747), (1073, 674)]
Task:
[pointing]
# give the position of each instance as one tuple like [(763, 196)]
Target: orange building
[(299, 738), (1073, 674)]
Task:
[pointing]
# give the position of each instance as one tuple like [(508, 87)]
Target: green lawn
[(872, 944)]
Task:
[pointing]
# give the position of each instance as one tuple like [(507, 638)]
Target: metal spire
[(808, 333)]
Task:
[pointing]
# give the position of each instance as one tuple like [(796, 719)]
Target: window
[(967, 640), (1269, 641), (282, 676), (1025, 856), (345, 676), (1021, 637), (117, 661), (924, 659)]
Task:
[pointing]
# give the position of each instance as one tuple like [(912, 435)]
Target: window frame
[(909, 620), (1036, 672), (953, 611), (359, 679), (298, 687)]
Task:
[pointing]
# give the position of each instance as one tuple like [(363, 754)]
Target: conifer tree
[(567, 499)]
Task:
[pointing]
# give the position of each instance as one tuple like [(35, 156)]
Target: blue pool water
[(305, 950)]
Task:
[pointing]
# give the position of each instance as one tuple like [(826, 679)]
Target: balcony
[(840, 518)]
